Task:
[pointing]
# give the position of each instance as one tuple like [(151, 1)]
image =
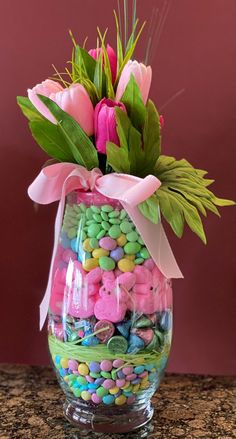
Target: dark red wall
[(197, 53)]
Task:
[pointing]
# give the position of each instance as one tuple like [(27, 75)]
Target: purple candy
[(89, 379), (99, 381), (73, 364), (96, 398), (120, 374), (136, 381), (92, 391), (94, 367), (117, 254)]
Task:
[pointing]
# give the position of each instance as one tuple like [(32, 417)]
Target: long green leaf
[(28, 109), (49, 137), (151, 135), (77, 140), (133, 102), (85, 62)]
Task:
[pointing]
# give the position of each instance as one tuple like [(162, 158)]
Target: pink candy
[(73, 364), (120, 383), (106, 365), (108, 243), (127, 370), (109, 384)]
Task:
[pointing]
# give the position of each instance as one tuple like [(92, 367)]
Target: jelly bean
[(132, 248), (130, 399), (77, 392), (114, 221), (144, 253), (123, 214), (95, 375), (114, 390), (82, 207), (86, 245), (104, 216), (85, 395), (132, 236), (93, 242), (101, 234), (109, 384), (105, 225), (114, 374), (138, 261), (89, 213), (107, 208), (84, 387), (118, 363), (89, 379), (120, 374), (120, 382), (114, 231), (130, 257), (93, 230), (136, 388), (152, 376), (83, 369), (106, 365), (126, 227), (99, 381), (127, 370), (136, 381), (72, 233), (95, 209), (121, 400), (96, 399), (90, 264), (64, 363), (94, 366), (81, 380), (131, 376), (125, 265), (97, 217), (149, 367), (108, 243), (143, 374), (106, 263), (92, 386), (106, 374), (101, 391), (117, 254), (99, 253), (108, 399), (121, 241), (138, 369), (73, 364)]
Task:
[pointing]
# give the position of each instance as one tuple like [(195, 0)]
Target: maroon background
[(196, 52)]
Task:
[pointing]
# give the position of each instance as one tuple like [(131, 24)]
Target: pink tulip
[(105, 123), (112, 58), (74, 100), (142, 75)]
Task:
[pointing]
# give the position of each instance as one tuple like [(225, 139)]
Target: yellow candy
[(83, 369), (114, 390), (66, 378), (85, 395), (121, 241), (120, 400), (126, 265), (90, 264), (130, 257), (99, 252), (86, 246), (153, 370), (144, 385), (136, 388), (126, 385), (144, 379), (64, 363)]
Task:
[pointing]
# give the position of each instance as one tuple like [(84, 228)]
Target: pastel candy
[(123, 328), (145, 334), (108, 243), (107, 333), (143, 275), (107, 308), (117, 254)]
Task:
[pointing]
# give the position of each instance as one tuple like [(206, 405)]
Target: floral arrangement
[(98, 114)]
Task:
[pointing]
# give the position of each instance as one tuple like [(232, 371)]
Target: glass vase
[(110, 317)]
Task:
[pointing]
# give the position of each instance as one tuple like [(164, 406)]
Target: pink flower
[(162, 121), (142, 75), (112, 58), (74, 100), (105, 123)]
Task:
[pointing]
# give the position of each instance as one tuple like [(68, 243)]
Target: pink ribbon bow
[(56, 181)]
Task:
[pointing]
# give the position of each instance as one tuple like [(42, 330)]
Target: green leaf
[(133, 102), (118, 158), (28, 109), (107, 67), (49, 137), (120, 56), (222, 202), (85, 62), (151, 135), (98, 76), (172, 211), (150, 209), (76, 139)]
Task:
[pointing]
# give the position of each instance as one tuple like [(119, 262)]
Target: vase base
[(108, 420)]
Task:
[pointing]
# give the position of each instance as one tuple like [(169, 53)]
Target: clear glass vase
[(110, 317)]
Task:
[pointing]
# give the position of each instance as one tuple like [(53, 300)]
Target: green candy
[(101, 391), (104, 216), (114, 214), (105, 374), (138, 261), (117, 345), (89, 214), (140, 241), (144, 253), (95, 375), (95, 209), (144, 322), (131, 248), (115, 231), (76, 208), (126, 227), (81, 380), (89, 222), (123, 214), (154, 344), (114, 374), (93, 242), (114, 220), (101, 234), (93, 230), (105, 225), (97, 217), (77, 392), (106, 263), (107, 208), (72, 233), (132, 236)]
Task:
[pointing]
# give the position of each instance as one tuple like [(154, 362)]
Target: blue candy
[(74, 243), (84, 387), (124, 328), (165, 321), (92, 386), (149, 367), (152, 376), (135, 344), (65, 241), (139, 369), (108, 399)]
